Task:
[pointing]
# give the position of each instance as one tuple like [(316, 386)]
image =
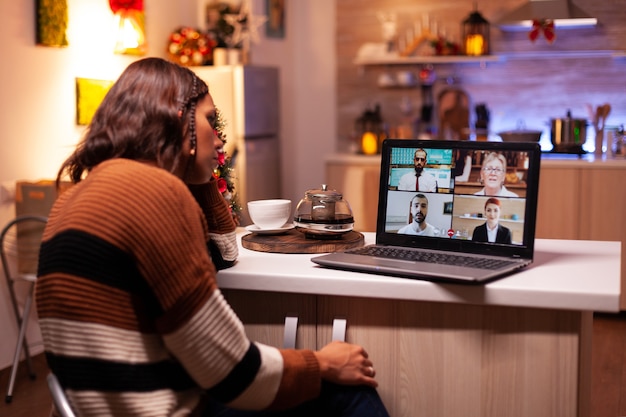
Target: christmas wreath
[(188, 46)]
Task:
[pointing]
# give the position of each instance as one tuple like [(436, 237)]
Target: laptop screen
[(477, 197)]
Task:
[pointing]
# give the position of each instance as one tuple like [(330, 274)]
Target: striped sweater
[(132, 320)]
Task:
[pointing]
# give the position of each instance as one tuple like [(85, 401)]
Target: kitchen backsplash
[(530, 82)]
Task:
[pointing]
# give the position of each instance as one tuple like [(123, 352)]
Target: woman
[(491, 230), (132, 319), (492, 176)]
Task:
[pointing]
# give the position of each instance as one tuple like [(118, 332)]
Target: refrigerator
[(248, 98)]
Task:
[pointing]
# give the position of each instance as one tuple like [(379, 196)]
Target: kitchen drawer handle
[(339, 329), (291, 329)]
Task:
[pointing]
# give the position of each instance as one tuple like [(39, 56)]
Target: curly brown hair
[(145, 116)]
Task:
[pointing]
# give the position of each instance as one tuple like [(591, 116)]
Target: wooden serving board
[(294, 241)]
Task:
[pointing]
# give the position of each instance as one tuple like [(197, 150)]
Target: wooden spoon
[(606, 111), (602, 113)]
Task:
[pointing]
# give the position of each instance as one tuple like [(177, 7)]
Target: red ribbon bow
[(117, 5), (545, 27)]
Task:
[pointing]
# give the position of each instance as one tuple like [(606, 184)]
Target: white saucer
[(253, 228)]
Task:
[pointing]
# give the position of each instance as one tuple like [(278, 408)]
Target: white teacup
[(269, 214)]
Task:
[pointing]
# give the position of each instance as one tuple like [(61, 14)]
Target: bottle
[(481, 125)]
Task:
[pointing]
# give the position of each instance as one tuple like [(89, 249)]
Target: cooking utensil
[(323, 214), (568, 134), (521, 134), (599, 122)]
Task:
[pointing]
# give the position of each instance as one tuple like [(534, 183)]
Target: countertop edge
[(557, 279)]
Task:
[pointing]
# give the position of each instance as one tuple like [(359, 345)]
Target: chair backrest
[(61, 404), (20, 240)]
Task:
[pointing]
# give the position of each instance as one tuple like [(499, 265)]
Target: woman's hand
[(346, 364)]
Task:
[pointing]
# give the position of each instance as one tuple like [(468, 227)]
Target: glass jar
[(616, 141)]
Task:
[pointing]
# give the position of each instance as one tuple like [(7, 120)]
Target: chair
[(59, 400), (19, 249)]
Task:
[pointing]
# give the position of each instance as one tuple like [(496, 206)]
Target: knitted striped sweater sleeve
[(132, 319), (222, 242)]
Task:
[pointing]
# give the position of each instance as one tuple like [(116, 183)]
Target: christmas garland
[(224, 171)]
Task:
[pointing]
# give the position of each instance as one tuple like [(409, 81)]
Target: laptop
[(469, 217)]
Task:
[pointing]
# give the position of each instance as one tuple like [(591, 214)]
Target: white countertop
[(565, 275)]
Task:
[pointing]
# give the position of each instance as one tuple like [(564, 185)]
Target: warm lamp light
[(474, 45), (130, 36), (475, 33), (369, 143)]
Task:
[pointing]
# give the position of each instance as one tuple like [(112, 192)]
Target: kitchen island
[(580, 197), (518, 346)]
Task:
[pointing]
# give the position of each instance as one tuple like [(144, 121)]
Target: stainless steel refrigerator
[(248, 98)]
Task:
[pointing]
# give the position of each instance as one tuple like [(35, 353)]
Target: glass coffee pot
[(323, 214)]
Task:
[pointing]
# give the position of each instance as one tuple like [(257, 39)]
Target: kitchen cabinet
[(558, 205), (519, 346), (421, 351), (356, 177), (265, 322), (579, 198), (584, 200), (412, 342)]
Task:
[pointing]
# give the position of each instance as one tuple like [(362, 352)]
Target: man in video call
[(417, 218), (418, 180)]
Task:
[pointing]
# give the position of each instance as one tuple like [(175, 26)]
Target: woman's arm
[(222, 243)]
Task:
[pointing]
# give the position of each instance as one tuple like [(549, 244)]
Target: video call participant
[(492, 176), (418, 210), (418, 180), (492, 230)]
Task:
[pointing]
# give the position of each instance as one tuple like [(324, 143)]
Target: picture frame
[(89, 95), (51, 22), (275, 24)]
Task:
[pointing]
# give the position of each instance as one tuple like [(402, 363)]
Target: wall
[(308, 91), (533, 81)]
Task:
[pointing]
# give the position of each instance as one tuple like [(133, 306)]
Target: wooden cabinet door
[(558, 205), (603, 210), (359, 185), (263, 315), (603, 204), (441, 359)]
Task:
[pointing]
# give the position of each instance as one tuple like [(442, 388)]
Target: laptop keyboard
[(430, 257)]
